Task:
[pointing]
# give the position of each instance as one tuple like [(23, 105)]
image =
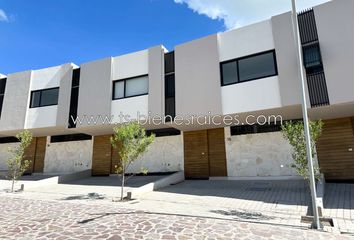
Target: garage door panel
[(196, 154)]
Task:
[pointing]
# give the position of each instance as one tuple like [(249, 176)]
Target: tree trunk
[(13, 180), (13, 184)]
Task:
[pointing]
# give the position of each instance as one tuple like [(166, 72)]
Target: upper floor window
[(2, 92), (312, 58), (130, 87), (45, 97), (260, 65)]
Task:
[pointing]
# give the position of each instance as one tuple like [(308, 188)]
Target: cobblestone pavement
[(22, 218)]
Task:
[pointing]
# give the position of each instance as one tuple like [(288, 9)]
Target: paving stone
[(41, 219)]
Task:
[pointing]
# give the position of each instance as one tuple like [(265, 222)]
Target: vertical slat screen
[(317, 89), (316, 79), (307, 26)]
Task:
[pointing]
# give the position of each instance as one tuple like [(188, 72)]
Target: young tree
[(294, 133), (16, 164), (133, 142)]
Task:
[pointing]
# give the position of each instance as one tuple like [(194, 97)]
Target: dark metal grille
[(316, 79), (317, 89), (307, 26)]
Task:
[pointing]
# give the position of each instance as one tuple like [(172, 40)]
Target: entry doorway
[(35, 153), (204, 153)]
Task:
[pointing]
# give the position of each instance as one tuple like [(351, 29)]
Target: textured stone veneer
[(4, 155), (258, 155), (164, 155), (65, 157)]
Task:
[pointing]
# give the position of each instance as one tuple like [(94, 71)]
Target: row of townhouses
[(245, 76)]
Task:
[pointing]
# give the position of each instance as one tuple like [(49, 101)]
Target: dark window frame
[(124, 93), (245, 57), (164, 132), (70, 138), (2, 94), (74, 97), (40, 97), (254, 129), (5, 140)]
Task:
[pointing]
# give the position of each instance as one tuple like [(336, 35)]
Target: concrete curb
[(164, 182), (56, 179)]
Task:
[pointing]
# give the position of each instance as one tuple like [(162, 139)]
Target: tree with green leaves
[(294, 133), (16, 164), (133, 142)]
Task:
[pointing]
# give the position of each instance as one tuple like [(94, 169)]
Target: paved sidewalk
[(276, 202), (35, 219), (339, 204), (268, 202)]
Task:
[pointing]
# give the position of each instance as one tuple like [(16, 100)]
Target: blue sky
[(41, 33)]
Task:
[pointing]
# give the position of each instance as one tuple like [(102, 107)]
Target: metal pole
[(316, 221)]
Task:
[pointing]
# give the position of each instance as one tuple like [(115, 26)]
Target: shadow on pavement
[(243, 214), (89, 196), (289, 192), (115, 181)]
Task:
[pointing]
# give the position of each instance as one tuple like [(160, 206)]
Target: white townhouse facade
[(249, 71)]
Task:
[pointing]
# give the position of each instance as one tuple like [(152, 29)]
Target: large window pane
[(259, 66), (35, 99), (1, 100), (170, 107), (137, 86), (312, 57), (229, 73), (49, 97), (118, 90), (170, 85), (2, 85)]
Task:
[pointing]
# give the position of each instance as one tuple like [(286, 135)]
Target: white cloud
[(3, 16), (236, 13)]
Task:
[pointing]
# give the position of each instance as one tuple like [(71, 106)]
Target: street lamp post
[(316, 221)]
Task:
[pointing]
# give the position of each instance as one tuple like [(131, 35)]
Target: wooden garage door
[(29, 155), (204, 153), (196, 163), (40, 154), (217, 153), (35, 153), (101, 158), (333, 149)]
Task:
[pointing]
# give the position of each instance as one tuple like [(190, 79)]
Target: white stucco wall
[(41, 117), (4, 154), (258, 155), (65, 157), (164, 155), (254, 95), (251, 96), (42, 79), (130, 107), (130, 65), (245, 41)]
